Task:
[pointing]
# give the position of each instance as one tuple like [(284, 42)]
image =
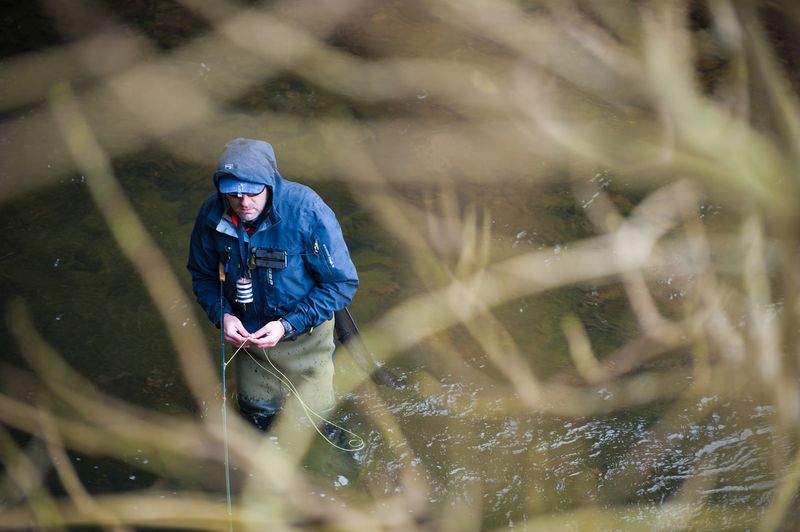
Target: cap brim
[(228, 185)]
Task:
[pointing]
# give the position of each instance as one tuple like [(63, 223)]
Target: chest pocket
[(283, 275), (275, 259)]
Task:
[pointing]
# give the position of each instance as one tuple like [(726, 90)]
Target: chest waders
[(307, 361)]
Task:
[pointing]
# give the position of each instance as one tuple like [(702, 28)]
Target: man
[(288, 270)]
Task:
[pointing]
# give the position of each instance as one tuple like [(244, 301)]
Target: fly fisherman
[(287, 270)]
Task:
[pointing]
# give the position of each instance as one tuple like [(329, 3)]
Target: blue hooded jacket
[(319, 277)]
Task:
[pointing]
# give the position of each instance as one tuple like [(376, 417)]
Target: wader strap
[(242, 249)]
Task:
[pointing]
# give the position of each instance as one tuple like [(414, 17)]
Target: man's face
[(248, 208)]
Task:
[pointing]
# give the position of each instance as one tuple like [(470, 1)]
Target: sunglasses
[(240, 194)]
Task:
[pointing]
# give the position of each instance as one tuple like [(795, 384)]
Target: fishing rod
[(349, 336), (222, 274)]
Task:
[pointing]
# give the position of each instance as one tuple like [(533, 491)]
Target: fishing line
[(356, 442)]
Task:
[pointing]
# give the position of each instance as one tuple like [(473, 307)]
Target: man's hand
[(235, 333), (268, 336)]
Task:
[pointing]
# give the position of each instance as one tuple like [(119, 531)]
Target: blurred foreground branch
[(681, 208)]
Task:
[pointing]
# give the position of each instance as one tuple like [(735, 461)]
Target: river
[(480, 459)]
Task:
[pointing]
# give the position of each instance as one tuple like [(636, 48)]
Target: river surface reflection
[(516, 468)]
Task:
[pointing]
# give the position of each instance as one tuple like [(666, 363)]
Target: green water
[(85, 299)]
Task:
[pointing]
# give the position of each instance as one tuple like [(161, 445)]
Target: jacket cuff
[(288, 328), (291, 320)]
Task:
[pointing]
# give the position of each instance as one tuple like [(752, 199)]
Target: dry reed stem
[(134, 241), (84, 502)]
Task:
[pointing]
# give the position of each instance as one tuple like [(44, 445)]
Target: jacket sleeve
[(203, 264), (328, 261)]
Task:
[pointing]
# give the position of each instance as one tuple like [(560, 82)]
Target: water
[(85, 300), (523, 466), (459, 444)]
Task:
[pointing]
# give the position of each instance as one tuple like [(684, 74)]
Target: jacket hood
[(248, 160)]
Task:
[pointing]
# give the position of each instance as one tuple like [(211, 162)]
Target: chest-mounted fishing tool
[(244, 290)]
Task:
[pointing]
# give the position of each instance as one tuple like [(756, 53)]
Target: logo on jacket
[(228, 166), (328, 256)]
